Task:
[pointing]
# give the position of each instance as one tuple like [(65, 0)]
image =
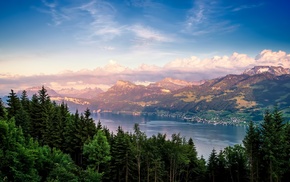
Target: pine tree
[(97, 151), (272, 150), (22, 119), (17, 160), (122, 157), (2, 110), (252, 143), (40, 115), (13, 103), (36, 122), (25, 101), (153, 158), (191, 170), (212, 166), (137, 149), (236, 163), (286, 160)]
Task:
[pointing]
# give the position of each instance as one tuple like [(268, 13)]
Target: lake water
[(205, 136)]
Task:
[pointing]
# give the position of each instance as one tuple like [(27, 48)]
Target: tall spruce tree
[(139, 138), (252, 143), (25, 101), (13, 103), (212, 166), (122, 157), (272, 147)]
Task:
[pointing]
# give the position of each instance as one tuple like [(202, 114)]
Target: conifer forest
[(41, 141)]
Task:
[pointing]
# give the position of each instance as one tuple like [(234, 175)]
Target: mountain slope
[(245, 95)]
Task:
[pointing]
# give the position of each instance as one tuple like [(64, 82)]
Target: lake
[(205, 136)]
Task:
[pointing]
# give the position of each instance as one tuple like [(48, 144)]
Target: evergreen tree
[(286, 160), (22, 119), (236, 163), (17, 160), (137, 148), (25, 101), (2, 110), (272, 149), (153, 158), (221, 167), (252, 143), (97, 151), (122, 157), (191, 171), (13, 103), (35, 117), (212, 166), (54, 129)]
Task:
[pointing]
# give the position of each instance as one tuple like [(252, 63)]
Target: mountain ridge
[(238, 95), (244, 95)]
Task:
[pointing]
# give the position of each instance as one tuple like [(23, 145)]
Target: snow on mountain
[(275, 70)]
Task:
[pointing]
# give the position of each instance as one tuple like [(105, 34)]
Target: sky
[(94, 43)]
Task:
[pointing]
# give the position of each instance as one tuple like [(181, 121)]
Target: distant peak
[(174, 81), (275, 70), (122, 83)]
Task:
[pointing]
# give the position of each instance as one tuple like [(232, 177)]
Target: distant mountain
[(73, 102), (87, 93), (245, 96), (170, 84), (275, 70), (34, 90)]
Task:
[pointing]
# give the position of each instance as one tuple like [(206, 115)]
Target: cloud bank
[(189, 69)]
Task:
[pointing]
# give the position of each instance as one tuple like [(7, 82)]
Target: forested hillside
[(42, 141)]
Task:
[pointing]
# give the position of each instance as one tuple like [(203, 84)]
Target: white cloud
[(243, 7), (57, 16), (207, 17), (94, 19), (49, 4), (148, 34), (269, 57), (103, 25)]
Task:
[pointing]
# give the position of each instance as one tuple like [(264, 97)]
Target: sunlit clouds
[(190, 69)]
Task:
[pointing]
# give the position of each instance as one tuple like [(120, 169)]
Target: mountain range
[(240, 97), (244, 96)]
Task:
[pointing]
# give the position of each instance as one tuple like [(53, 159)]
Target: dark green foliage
[(25, 101), (17, 160), (286, 160), (90, 175), (38, 118), (153, 158), (2, 110), (271, 147), (122, 157), (212, 166), (252, 143), (13, 103), (97, 151), (236, 163), (42, 141)]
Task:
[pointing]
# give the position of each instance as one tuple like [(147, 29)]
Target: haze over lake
[(205, 136)]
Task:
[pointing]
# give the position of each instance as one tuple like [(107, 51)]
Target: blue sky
[(48, 36), (56, 36)]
